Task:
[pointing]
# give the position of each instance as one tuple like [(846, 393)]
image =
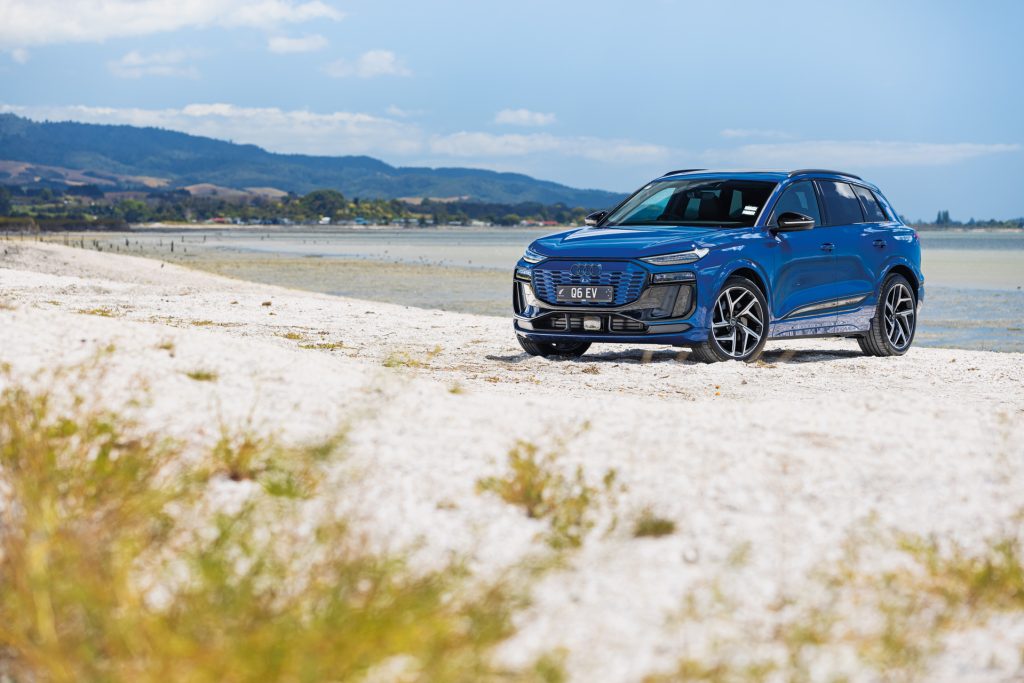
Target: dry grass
[(202, 323), (201, 375), (323, 346), (850, 621), (649, 524), (115, 568), (102, 312), (535, 482), (293, 336), (402, 359)]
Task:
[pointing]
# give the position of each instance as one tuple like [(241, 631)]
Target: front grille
[(627, 279), (617, 324), (573, 322)]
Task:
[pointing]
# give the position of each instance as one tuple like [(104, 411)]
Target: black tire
[(546, 349), (897, 305), (751, 324)]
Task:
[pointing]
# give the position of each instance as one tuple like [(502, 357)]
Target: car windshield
[(715, 202)]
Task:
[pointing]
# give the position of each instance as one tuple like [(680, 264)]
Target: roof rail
[(802, 171), (685, 170)]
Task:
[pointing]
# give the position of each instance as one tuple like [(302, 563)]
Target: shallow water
[(974, 281)]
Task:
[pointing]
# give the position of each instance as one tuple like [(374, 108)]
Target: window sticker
[(749, 210)]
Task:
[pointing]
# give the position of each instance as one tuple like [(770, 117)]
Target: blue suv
[(723, 261)]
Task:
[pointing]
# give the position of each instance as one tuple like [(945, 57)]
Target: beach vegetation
[(535, 481), (323, 346), (293, 336), (118, 565), (850, 620), (202, 375), (648, 523), (403, 359), (102, 312)]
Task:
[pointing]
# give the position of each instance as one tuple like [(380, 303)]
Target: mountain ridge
[(183, 159)]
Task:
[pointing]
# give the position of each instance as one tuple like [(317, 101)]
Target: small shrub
[(323, 346), (293, 336), (536, 483), (402, 359), (102, 312), (649, 524), (200, 375)]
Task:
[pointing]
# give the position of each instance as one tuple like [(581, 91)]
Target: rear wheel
[(739, 324), (569, 349), (895, 321)]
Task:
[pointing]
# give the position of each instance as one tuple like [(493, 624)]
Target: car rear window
[(873, 212), (841, 203)]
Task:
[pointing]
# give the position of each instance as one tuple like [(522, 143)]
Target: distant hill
[(73, 153)]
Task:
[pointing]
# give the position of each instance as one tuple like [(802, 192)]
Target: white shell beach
[(785, 458)]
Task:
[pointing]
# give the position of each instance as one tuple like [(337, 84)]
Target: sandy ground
[(785, 457)]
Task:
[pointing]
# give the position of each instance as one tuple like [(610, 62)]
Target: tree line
[(88, 205)]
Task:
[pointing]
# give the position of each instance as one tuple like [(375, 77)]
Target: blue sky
[(924, 98)]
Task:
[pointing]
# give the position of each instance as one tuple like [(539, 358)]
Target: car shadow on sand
[(644, 356)]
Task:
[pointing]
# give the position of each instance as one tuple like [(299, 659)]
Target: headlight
[(677, 258), (533, 257)]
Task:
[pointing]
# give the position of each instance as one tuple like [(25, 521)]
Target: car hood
[(621, 242)]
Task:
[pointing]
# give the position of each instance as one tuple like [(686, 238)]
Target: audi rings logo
[(586, 270)]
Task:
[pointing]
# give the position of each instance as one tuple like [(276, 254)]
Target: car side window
[(841, 203), (798, 198), (873, 212)]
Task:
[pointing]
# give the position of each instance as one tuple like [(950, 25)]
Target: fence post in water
[(172, 246)]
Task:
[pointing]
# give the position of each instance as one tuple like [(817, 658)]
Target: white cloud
[(523, 117), (137, 64), (369, 65), (853, 154), (754, 133), (293, 131), (392, 110), (19, 55), (286, 45), (39, 22), (470, 144)]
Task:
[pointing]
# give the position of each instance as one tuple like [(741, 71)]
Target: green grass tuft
[(649, 524), (201, 375), (535, 482)]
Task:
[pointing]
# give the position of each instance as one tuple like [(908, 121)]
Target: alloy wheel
[(899, 316), (737, 324)]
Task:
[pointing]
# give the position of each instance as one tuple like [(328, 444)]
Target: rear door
[(852, 233), (803, 296)]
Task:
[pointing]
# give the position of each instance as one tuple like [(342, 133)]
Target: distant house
[(325, 220)]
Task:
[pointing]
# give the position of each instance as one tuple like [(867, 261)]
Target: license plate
[(585, 294)]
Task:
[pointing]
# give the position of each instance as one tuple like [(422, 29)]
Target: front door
[(804, 287)]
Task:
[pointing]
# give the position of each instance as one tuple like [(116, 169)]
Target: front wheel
[(895, 320), (739, 324), (546, 349)]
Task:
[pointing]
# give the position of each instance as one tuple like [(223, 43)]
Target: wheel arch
[(907, 272), (748, 271)]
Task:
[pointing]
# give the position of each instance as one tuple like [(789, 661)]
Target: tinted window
[(798, 198), (872, 211), (711, 202), (841, 203)]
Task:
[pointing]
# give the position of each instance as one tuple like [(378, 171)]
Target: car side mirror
[(595, 218), (792, 221)]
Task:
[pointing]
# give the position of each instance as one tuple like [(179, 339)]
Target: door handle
[(828, 246), (879, 243)]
